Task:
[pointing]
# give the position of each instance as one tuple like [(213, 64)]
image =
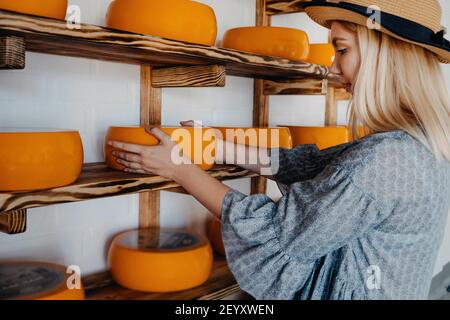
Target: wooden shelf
[(54, 37), (277, 7), (98, 181), (220, 284)]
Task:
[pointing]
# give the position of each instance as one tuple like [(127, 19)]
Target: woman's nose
[(335, 67)]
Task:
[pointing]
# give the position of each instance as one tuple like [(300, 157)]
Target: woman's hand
[(157, 159)]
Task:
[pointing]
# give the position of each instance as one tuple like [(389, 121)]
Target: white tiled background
[(90, 95)]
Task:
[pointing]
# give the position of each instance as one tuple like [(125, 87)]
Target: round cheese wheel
[(214, 232), (323, 137), (33, 159), (258, 137), (181, 20), (45, 8), (26, 280), (321, 53), (280, 42), (160, 260), (196, 143)]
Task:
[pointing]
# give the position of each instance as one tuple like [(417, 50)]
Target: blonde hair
[(400, 86)]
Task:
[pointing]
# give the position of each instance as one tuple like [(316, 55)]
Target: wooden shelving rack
[(164, 63)]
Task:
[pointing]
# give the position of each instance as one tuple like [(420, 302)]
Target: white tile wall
[(90, 95)]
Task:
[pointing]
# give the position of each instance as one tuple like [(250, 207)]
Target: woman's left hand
[(149, 159)]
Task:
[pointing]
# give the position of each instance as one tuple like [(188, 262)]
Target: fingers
[(191, 123), (187, 123), (160, 135), (127, 156), (140, 171), (129, 164), (134, 148)]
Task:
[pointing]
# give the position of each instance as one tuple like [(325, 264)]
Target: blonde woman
[(363, 220)]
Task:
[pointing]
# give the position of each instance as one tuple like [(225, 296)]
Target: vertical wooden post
[(331, 108), (150, 115), (331, 102), (260, 101)]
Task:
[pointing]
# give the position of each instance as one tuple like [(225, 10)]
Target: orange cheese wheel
[(258, 137), (181, 20), (26, 280), (160, 260), (323, 137), (196, 143), (321, 53), (214, 233), (280, 42), (33, 159), (45, 8)]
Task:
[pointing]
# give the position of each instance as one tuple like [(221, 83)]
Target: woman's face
[(347, 60)]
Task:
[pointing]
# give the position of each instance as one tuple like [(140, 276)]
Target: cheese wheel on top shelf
[(288, 43)]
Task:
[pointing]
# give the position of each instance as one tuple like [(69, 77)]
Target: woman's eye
[(342, 51)]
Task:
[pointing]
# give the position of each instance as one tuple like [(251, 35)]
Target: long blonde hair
[(400, 86)]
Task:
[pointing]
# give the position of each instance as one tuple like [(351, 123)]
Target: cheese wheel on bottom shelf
[(26, 280), (160, 260)]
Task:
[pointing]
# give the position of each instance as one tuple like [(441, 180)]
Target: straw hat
[(413, 21)]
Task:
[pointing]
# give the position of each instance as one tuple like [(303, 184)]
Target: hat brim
[(324, 14)]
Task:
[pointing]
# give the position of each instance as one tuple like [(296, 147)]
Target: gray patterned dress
[(362, 220)]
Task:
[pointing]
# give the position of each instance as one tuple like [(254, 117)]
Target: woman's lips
[(348, 87)]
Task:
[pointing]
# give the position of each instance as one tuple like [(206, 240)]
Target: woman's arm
[(247, 157)]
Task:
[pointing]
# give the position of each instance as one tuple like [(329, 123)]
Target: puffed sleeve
[(303, 162), (272, 248)]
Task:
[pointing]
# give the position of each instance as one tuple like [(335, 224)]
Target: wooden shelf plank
[(296, 87), (98, 181), (53, 37), (276, 7), (220, 284)]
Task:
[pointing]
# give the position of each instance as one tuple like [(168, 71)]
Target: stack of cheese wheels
[(26, 280), (197, 144), (323, 137), (45, 8), (182, 20), (258, 137), (33, 159), (321, 53), (160, 260), (288, 43)]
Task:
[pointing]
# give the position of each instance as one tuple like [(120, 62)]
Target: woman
[(362, 220)]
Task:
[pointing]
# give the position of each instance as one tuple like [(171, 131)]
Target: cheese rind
[(55, 9), (321, 53), (323, 137), (160, 260), (288, 43), (196, 143), (39, 159), (181, 20), (278, 137), (29, 280)]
